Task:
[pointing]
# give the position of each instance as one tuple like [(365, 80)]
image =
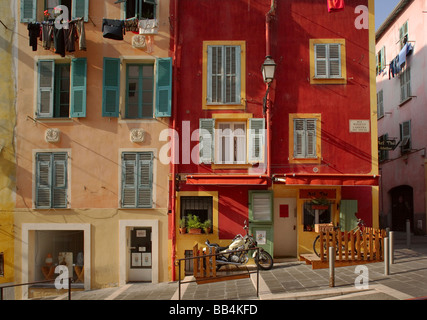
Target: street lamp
[(268, 68)]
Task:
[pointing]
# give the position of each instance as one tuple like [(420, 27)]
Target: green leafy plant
[(193, 222), (207, 225)]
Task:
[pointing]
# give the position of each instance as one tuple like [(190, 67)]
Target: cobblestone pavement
[(294, 280)]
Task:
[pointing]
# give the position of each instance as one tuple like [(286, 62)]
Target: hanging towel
[(70, 35), (82, 34), (402, 55), (335, 5), (47, 35), (113, 29)]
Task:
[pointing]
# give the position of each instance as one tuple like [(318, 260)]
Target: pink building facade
[(402, 116)]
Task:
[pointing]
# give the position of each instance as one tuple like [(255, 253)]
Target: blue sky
[(382, 9)]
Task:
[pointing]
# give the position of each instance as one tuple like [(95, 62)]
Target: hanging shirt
[(34, 30), (59, 41), (335, 5)]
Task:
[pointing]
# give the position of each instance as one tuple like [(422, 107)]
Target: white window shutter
[(311, 138), (334, 60), (257, 137), (45, 97), (206, 140), (299, 138), (320, 57)]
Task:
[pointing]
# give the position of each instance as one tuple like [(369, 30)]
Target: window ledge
[(405, 101), (230, 166)]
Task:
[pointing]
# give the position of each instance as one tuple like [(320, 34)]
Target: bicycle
[(316, 243)]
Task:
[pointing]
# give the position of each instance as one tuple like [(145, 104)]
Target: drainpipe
[(174, 108), (268, 19)]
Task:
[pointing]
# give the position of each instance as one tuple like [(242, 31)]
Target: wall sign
[(359, 126), (317, 193), (284, 211)]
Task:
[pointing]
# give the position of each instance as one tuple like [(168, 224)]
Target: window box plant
[(182, 226), (194, 224), (207, 226)]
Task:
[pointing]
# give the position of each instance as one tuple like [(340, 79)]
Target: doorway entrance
[(140, 250), (402, 204), (285, 230)]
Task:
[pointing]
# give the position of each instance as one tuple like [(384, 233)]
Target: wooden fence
[(353, 246)]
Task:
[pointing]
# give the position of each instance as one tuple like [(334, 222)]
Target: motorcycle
[(237, 253)]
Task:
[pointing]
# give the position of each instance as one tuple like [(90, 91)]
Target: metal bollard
[(391, 245), (331, 267), (386, 256), (408, 233)]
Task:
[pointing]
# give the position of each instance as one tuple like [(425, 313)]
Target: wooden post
[(353, 244), (365, 245), (346, 245), (339, 245), (359, 254), (213, 262), (377, 245), (195, 260)]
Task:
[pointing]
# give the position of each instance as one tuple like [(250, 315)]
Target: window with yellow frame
[(305, 138), (224, 75), (328, 61)]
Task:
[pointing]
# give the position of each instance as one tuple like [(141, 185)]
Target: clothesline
[(63, 38)]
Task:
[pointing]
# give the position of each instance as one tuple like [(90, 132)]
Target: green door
[(261, 218)]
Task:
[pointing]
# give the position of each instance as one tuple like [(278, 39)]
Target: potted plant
[(194, 224), (182, 225), (207, 226)]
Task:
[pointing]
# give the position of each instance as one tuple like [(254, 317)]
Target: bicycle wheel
[(316, 246)]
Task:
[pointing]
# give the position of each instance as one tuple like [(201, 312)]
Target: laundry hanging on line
[(400, 61), (63, 39)]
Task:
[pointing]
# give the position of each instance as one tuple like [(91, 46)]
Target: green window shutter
[(256, 140), (206, 140), (59, 183), (28, 10), (164, 87), (78, 87), (145, 180), (348, 210), (405, 136), (137, 180), (383, 59), (45, 96), (261, 206), (43, 180), (80, 9), (111, 88), (129, 180), (51, 180)]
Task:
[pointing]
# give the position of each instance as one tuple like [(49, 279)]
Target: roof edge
[(401, 6)]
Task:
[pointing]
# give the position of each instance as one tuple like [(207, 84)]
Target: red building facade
[(265, 153)]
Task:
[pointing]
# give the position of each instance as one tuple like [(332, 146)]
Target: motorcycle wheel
[(264, 260)]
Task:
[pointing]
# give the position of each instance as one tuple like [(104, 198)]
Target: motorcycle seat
[(217, 247)]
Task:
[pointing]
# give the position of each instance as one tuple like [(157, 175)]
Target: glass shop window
[(314, 214)]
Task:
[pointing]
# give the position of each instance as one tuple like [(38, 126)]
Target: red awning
[(329, 179), (227, 180)]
